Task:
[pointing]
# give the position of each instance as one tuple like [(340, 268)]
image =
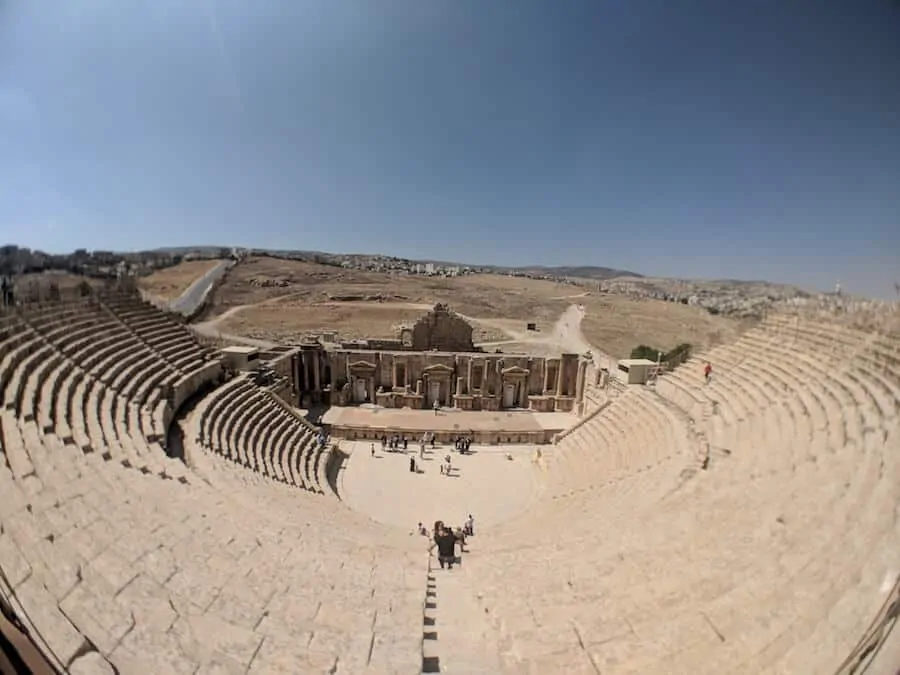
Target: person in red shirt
[(707, 371)]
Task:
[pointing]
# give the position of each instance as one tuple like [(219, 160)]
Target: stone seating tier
[(629, 560), (244, 424), (749, 558), (153, 602)]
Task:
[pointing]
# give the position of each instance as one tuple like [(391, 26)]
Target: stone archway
[(514, 387), (438, 381), (362, 381)]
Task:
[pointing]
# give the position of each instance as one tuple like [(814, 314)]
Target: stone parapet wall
[(486, 437), (190, 384)]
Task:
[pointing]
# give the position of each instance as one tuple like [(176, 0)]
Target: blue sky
[(692, 138)]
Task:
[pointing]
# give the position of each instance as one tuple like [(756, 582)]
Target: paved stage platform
[(486, 483), (507, 426)]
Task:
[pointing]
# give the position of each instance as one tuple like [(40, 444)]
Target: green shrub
[(672, 358)]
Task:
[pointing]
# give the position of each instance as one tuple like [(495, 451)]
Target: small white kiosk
[(240, 358), (634, 371)]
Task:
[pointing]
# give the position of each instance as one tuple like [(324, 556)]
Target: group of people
[(393, 443), (445, 539), (462, 444), (397, 443)]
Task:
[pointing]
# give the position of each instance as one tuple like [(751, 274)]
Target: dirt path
[(211, 329), (566, 335), (572, 297)]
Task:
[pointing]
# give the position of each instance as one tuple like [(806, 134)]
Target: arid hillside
[(170, 282), (274, 299)]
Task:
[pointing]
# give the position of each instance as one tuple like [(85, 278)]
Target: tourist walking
[(445, 541), (707, 372)]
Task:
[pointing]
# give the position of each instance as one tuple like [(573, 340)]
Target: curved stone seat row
[(629, 435), (112, 564), (774, 560), (169, 338), (102, 347), (246, 425), (111, 567)]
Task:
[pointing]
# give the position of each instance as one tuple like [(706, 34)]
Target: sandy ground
[(486, 484), (167, 284), (270, 300)]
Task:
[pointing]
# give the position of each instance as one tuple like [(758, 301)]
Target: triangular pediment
[(362, 365), (438, 368), (515, 370)]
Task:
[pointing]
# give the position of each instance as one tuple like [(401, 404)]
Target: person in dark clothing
[(446, 545), (412, 464)]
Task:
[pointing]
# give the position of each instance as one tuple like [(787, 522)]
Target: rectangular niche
[(399, 374), (552, 372), (477, 376)]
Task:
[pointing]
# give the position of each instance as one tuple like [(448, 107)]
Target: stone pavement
[(485, 483), (447, 419)]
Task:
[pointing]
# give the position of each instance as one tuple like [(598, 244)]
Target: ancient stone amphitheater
[(749, 525)]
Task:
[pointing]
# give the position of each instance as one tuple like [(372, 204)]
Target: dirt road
[(566, 335), (188, 302)]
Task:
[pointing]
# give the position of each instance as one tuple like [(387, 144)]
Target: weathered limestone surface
[(442, 330), (123, 557), (748, 525)]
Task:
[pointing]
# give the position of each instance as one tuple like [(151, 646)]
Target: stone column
[(418, 387), (460, 386), (333, 377), (304, 358), (579, 382), (559, 379), (317, 385), (546, 376)]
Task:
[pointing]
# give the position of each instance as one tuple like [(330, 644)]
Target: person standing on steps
[(470, 525), (460, 535), (445, 541), (707, 372)]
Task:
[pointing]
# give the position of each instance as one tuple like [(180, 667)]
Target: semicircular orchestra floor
[(486, 483)]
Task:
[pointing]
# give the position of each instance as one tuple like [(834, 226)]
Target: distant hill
[(581, 272)]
